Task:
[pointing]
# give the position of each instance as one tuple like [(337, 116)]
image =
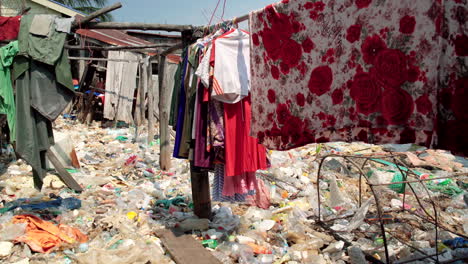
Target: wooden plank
[(165, 142), (64, 175), (185, 249)]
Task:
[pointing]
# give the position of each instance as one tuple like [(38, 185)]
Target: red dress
[(242, 152)]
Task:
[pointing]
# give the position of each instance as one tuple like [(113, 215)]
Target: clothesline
[(153, 46), (105, 59), (235, 20)]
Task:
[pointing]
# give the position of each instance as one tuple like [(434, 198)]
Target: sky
[(183, 12)]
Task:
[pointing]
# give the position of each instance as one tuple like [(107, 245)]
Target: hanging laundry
[(202, 157), (243, 154), (181, 105), (41, 44), (218, 187), (342, 71), (120, 85), (213, 127), (7, 102), (9, 27), (190, 86), (453, 81), (42, 25), (232, 71), (63, 24), (175, 94), (44, 87)]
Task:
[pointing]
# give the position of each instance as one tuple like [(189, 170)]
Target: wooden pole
[(140, 26), (200, 192), (151, 117), (117, 47), (98, 13), (165, 142)]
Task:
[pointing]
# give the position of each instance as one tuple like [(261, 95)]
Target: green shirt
[(7, 99)]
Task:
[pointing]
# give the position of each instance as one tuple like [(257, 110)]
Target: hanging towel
[(41, 25)]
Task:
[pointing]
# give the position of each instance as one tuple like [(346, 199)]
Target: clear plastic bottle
[(273, 191)]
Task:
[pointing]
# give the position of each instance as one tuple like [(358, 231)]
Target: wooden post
[(165, 142), (200, 192), (151, 117)]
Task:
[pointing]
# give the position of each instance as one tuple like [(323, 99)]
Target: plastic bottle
[(265, 258), (273, 191)]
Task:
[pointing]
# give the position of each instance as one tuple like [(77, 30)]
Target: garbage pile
[(306, 217)]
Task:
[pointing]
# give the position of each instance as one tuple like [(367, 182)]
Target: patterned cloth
[(363, 70), (453, 94), (218, 186)]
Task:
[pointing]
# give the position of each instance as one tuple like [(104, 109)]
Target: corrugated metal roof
[(113, 37)]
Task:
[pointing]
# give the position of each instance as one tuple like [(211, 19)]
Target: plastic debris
[(127, 197)]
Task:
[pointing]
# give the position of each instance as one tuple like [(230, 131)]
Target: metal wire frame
[(396, 157)]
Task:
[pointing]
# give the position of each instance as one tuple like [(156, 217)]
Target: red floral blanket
[(363, 70)]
